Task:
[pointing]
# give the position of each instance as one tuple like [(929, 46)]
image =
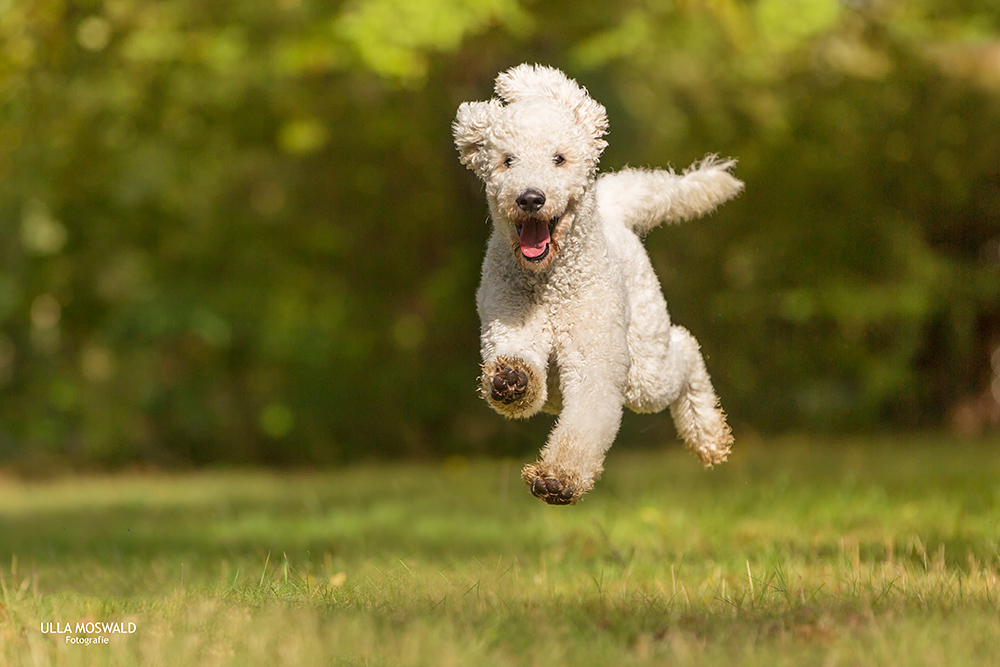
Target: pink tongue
[(534, 238)]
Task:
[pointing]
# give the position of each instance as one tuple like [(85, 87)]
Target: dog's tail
[(641, 199)]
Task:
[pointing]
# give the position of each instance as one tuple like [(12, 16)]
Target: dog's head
[(536, 147)]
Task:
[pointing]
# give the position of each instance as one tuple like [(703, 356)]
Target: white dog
[(573, 319)]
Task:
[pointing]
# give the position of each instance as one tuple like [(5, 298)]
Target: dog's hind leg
[(699, 419)]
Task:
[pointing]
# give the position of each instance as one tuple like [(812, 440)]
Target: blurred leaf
[(302, 136), (786, 24), (391, 37)]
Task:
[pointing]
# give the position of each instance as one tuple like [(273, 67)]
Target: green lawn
[(797, 552)]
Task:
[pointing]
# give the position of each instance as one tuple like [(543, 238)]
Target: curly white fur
[(573, 318)]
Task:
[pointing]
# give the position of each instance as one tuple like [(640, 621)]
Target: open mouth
[(535, 237)]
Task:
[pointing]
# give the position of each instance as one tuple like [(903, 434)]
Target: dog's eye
[(508, 161), (558, 160)]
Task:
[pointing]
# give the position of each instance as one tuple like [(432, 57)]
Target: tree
[(239, 232)]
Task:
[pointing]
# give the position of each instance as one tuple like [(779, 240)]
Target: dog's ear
[(525, 81), (469, 128)]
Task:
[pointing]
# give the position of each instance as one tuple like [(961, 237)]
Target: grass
[(861, 552)]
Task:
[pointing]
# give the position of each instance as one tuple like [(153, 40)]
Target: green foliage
[(236, 231), (393, 38), (860, 269), (864, 552)]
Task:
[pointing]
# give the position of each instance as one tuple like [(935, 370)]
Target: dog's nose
[(530, 200)]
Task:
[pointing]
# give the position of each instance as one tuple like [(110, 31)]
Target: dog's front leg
[(591, 377), (515, 352), (515, 341)]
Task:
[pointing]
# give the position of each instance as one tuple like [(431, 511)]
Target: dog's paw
[(511, 387), (554, 488), (508, 385)]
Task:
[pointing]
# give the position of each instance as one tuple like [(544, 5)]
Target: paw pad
[(552, 491), (508, 385)]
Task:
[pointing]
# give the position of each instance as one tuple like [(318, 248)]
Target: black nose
[(530, 200)]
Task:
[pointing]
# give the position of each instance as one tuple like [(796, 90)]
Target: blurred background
[(238, 232)]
